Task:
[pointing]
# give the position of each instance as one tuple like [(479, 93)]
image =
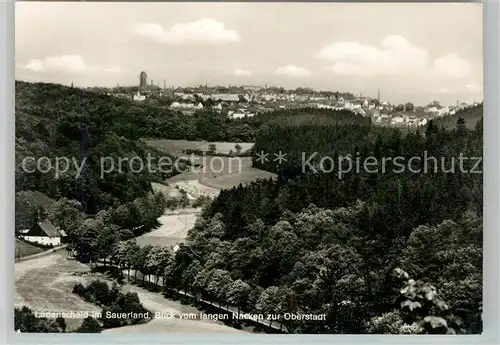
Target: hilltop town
[(249, 100)]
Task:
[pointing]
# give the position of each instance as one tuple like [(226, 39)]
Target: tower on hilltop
[(143, 79)]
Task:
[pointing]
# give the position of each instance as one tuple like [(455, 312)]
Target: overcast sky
[(412, 52)]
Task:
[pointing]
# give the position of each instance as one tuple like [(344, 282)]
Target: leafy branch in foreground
[(422, 311)]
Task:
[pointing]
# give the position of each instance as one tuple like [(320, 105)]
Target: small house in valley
[(45, 233)]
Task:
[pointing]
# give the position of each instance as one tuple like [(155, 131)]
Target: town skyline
[(412, 52), (251, 88)]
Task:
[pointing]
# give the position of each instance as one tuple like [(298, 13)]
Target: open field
[(176, 147), (38, 199), (23, 249), (173, 230), (233, 180), (218, 173), (185, 176), (196, 188), (170, 192), (213, 166), (46, 283), (214, 173)]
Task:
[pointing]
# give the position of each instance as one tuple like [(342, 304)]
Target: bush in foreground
[(113, 302)]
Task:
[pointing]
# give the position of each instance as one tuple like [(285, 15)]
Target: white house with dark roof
[(43, 232)]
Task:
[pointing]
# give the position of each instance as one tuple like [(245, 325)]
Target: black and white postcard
[(286, 168)]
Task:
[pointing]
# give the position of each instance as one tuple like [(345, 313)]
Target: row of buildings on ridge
[(247, 101)]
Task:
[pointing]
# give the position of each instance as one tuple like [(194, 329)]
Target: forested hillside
[(471, 115), (58, 122), (332, 243), (54, 121)]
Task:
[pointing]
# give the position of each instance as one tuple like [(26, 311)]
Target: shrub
[(89, 325), (26, 322), (112, 322), (61, 322), (100, 290), (113, 301), (79, 289)]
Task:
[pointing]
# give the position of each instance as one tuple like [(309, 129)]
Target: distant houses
[(221, 97), (240, 102), (138, 97), (44, 233), (397, 120), (179, 105), (224, 97), (241, 113)]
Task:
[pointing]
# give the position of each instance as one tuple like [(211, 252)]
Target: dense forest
[(58, 122), (335, 243), (394, 252)]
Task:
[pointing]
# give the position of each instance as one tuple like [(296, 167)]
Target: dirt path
[(45, 284), (156, 303)]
